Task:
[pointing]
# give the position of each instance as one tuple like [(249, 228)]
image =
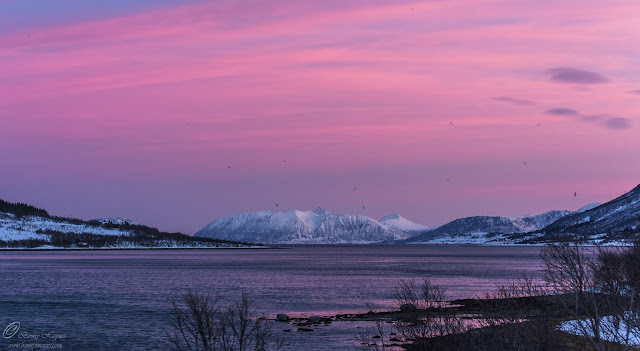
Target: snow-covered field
[(610, 331), (12, 228)]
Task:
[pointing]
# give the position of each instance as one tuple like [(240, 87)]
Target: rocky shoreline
[(474, 313)]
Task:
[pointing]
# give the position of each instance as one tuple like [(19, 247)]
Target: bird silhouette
[(229, 167), (354, 189), (575, 194), (277, 205), (363, 207), (451, 123), (448, 180), (525, 163)]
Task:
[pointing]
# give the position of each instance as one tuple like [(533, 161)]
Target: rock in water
[(281, 317), (407, 308)]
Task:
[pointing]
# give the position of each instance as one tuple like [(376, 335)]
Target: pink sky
[(139, 111)]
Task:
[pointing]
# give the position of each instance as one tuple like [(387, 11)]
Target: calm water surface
[(119, 300)]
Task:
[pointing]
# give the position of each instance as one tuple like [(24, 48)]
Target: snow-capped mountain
[(395, 221), (616, 216), (305, 227), (481, 225)]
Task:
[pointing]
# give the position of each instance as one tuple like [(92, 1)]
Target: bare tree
[(201, 325), (424, 312), (194, 328), (598, 289), (376, 338), (519, 317)]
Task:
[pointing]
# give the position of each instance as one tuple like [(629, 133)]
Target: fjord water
[(120, 299)]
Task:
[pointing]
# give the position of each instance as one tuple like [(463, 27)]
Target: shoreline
[(141, 248), (483, 319)]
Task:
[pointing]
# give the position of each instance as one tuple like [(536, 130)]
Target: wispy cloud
[(574, 75), (563, 112), (512, 100), (617, 123), (594, 118), (604, 120)]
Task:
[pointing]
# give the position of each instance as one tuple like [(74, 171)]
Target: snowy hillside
[(613, 223), (23, 226), (115, 220), (588, 207), (398, 222), (28, 227), (481, 225), (619, 215), (306, 227)]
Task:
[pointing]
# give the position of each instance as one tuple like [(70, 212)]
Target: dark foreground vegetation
[(588, 300), (199, 322), (585, 302)]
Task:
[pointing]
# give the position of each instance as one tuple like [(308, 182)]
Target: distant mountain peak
[(391, 216), (398, 222), (321, 211), (587, 207)]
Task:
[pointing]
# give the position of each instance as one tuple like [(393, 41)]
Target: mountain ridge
[(306, 227), (23, 226), (489, 225), (616, 216)]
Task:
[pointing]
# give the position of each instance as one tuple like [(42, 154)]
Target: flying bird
[(451, 123), (354, 189), (448, 180), (363, 207), (525, 163), (575, 194), (277, 205), (229, 167)]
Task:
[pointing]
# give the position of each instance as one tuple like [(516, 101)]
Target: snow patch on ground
[(610, 333)]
